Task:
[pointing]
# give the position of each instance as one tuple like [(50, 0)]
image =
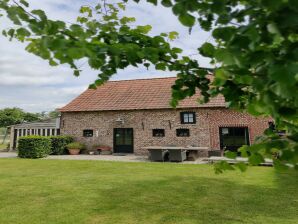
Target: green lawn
[(53, 191), (3, 146)]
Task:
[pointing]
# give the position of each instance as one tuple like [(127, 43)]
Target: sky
[(30, 83)]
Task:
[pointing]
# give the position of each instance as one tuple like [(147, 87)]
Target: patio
[(115, 157)]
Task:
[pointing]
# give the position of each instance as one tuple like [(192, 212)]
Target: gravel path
[(126, 158), (8, 155)]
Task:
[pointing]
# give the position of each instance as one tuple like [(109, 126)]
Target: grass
[(3, 146), (52, 191)]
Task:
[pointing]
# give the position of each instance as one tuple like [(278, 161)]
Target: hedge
[(58, 144), (34, 146)]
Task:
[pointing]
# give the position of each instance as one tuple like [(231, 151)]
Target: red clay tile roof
[(134, 95)]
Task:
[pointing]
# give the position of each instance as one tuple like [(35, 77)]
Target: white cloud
[(29, 82)]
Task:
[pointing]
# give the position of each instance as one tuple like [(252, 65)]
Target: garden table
[(193, 152)]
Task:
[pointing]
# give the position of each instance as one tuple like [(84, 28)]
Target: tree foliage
[(255, 55), (11, 116)]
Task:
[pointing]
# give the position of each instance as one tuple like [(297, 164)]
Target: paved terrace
[(119, 158), (134, 158)]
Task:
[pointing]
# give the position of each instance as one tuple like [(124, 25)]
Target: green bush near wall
[(34, 147), (58, 144)]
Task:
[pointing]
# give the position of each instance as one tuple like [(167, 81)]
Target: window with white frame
[(188, 117)]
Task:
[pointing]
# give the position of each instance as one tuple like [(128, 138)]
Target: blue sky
[(28, 82)]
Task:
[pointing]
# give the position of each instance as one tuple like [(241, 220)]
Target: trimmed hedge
[(58, 144), (34, 147)]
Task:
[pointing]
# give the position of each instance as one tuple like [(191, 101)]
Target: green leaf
[(243, 150), (11, 33), (144, 29), (92, 86), (178, 9), (76, 73), (241, 166), (95, 62), (86, 9), (152, 1), (25, 3), (177, 50), (293, 4), (231, 155), (224, 56), (187, 19), (256, 159), (167, 3), (222, 166), (173, 35), (161, 66), (52, 62), (41, 14), (23, 32), (207, 50), (272, 28), (280, 166), (224, 33), (75, 53)]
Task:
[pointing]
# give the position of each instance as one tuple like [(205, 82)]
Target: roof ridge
[(125, 80)]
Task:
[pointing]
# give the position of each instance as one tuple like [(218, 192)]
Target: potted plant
[(74, 148), (103, 149)]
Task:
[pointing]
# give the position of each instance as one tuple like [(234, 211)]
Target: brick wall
[(204, 133), (228, 118)]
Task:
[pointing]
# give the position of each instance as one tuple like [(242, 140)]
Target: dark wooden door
[(232, 138), (15, 137), (123, 140)]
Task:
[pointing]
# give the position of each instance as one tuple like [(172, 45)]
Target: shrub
[(75, 145), (59, 143), (34, 146)]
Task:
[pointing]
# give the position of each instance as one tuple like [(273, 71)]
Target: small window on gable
[(182, 132), (88, 133), (188, 117), (158, 132)]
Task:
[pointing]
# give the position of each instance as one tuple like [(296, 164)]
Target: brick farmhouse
[(132, 114)]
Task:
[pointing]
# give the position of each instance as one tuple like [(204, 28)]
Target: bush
[(76, 145), (34, 146), (58, 144)]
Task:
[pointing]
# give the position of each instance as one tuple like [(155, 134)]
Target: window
[(58, 131), (188, 117), (182, 132), (88, 133), (158, 132)]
